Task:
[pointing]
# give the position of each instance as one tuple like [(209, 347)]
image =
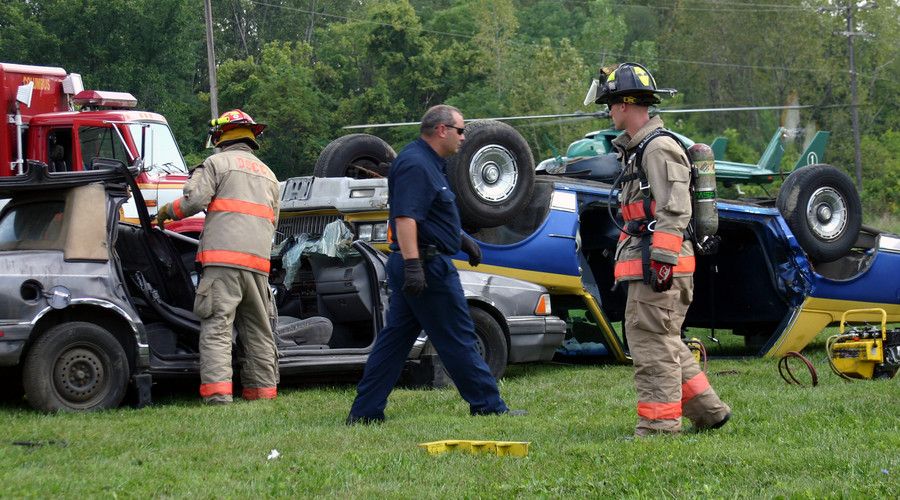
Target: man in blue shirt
[(425, 288)]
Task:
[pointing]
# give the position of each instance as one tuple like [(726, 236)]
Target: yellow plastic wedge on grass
[(499, 448)]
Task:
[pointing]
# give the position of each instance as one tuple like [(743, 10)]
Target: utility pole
[(849, 11), (211, 61)]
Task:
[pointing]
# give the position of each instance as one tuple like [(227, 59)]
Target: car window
[(100, 142), (32, 226)]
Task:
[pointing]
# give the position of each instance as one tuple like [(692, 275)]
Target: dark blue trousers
[(442, 312)]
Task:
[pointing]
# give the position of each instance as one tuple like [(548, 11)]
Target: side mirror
[(106, 164)]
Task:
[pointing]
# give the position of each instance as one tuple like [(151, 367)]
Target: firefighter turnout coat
[(668, 177), (241, 196)]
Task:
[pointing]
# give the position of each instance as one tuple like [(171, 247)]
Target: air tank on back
[(706, 214)]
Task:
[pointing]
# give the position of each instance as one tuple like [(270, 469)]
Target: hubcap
[(826, 213), (79, 376), (493, 173)]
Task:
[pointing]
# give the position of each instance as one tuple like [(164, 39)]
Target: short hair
[(436, 115)]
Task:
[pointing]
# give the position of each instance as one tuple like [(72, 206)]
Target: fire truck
[(51, 118)]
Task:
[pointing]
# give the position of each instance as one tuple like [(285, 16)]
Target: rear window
[(32, 226)]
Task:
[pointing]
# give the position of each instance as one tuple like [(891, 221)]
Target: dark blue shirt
[(418, 189)]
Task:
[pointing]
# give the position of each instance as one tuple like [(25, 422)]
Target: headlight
[(364, 232), (379, 231), (362, 193)]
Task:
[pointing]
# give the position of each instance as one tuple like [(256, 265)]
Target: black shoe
[(507, 412), (354, 420), (722, 422)]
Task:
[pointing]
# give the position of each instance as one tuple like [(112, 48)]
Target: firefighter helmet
[(234, 125), (626, 82)]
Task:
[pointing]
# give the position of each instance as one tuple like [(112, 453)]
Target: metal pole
[(211, 60), (854, 111)]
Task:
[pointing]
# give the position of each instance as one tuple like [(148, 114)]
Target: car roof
[(38, 178)]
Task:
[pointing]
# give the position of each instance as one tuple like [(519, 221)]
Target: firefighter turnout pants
[(668, 379), (229, 299)]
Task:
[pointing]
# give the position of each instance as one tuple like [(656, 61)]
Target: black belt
[(428, 252)]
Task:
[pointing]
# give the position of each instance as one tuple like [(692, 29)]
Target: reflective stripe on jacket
[(241, 196), (668, 174)]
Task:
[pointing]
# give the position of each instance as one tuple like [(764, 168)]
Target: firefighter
[(655, 258), (240, 195)]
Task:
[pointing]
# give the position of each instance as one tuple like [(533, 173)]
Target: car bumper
[(12, 342), (534, 338)]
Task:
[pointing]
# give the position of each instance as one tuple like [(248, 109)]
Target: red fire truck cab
[(43, 124)]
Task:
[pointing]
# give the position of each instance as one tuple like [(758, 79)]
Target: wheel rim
[(826, 213), (80, 376), (493, 173), (479, 346)]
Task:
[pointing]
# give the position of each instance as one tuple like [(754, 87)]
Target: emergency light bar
[(105, 98)]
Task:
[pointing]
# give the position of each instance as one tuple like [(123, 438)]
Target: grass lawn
[(836, 440)]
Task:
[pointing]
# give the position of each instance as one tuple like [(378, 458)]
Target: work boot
[(507, 412), (217, 400), (360, 420), (717, 425), (643, 432)]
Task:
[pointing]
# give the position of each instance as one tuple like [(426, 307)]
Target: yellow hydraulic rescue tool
[(864, 352)]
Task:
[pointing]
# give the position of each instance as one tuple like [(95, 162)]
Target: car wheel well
[(100, 316), (494, 312)]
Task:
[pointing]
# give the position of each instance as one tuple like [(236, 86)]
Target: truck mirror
[(106, 164), (24, 93)]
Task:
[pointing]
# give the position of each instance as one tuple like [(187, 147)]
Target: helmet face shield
[(592, 92)]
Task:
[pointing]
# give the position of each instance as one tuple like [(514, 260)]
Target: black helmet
[(626, 82)]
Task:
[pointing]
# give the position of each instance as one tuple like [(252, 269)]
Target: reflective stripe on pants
[(229, 299), (665, 369)]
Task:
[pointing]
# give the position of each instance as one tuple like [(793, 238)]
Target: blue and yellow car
[(783, 270)]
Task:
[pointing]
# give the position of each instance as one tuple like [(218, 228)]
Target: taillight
[(543, 305)]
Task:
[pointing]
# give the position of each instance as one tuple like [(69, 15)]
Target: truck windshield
[(32, 226), (162, 155)]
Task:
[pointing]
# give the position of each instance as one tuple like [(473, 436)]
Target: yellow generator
[(864, 352)]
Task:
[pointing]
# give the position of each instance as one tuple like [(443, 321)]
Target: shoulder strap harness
[(643, 227)]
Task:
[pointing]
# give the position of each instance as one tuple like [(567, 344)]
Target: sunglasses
[(459, 130)]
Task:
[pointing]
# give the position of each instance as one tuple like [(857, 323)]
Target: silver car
[(94, 308)]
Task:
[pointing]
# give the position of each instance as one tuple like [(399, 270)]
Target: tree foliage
[(309, 67)]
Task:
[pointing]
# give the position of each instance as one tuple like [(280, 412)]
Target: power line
[(469, 36)]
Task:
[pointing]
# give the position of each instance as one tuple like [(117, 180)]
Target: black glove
[(468, 245), (661, 276), (413, 277)]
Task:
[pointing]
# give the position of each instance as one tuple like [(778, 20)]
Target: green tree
[(279, 90)]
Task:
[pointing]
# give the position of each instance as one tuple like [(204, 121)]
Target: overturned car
[(94, 307), (783, 269)]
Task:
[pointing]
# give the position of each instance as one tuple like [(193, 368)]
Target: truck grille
[(313, 225)]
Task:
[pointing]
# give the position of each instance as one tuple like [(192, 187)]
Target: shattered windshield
[(162, 155)]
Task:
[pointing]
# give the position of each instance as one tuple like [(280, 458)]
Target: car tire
[(75, 367), (491, 342), (492, 174), (822, 207), (360, 156), (491, 345)]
